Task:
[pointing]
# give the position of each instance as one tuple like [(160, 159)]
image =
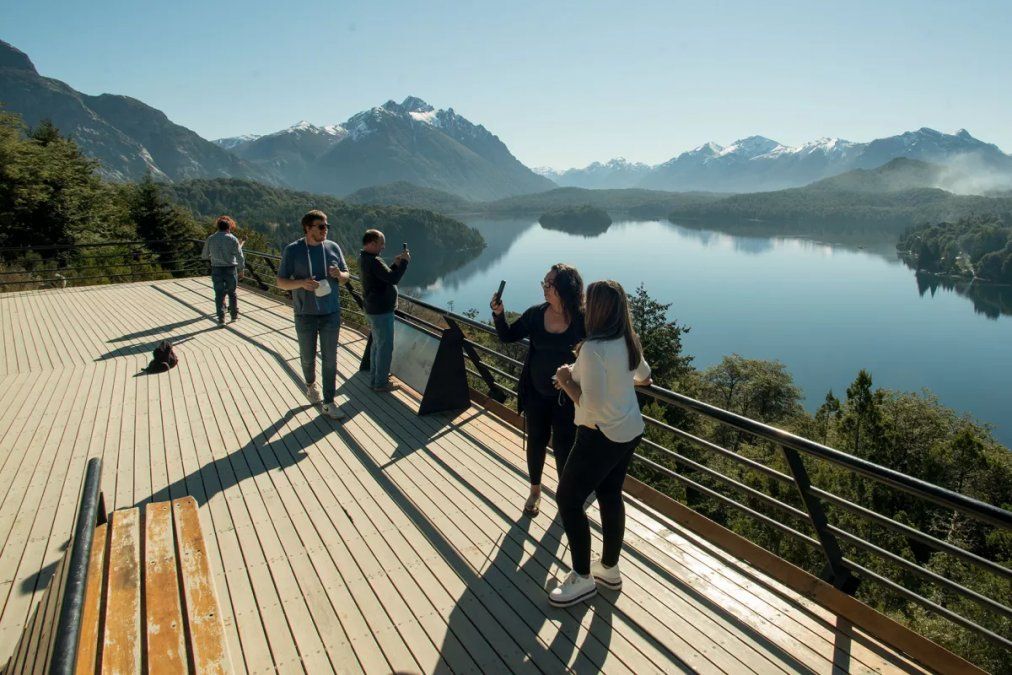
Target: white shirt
[(608, 400)]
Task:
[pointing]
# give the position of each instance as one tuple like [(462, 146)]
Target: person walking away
[(609, 363), (554, 328), (379, 293), (227, 265), (311, 268)]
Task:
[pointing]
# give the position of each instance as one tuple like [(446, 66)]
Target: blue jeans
[(225, 279), (382, 347), (326, 328)]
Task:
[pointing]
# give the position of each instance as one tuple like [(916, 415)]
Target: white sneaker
[(313, 393), (332, 411), (609, 577), (573, 590)]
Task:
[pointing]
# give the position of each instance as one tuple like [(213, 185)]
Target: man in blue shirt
[(227, 263), (311, 268)]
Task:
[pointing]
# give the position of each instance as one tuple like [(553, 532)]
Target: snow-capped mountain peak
[(232, 142), (750, 147)]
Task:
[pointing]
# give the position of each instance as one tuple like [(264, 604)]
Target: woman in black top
[(554, 328)]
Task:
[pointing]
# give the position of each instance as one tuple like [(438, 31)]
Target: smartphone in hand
[(498, 293)]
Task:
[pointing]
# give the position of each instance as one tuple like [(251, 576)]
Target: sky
[(561, 83)]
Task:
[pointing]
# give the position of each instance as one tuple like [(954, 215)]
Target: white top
[(608, 400)]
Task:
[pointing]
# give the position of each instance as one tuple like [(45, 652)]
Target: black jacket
[(379, 282), (543, 346)]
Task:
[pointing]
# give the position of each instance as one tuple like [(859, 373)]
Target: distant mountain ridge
[(128, 137), (757, 163), (901, 193), (396, 142)]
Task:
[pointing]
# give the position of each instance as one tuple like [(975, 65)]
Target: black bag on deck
[(163, 358)]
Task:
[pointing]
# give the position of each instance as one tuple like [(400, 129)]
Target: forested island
[(587, 221), (978, 248)]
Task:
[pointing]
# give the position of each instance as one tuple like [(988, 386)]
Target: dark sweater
[(379, 282), (547, 352)]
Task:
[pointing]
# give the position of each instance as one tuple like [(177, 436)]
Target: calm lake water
[(825, 310)]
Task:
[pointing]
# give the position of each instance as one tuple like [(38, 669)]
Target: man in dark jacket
[(379, 291)]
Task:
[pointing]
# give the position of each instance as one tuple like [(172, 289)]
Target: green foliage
[(160, 224), (974, 247), (276, 212), (402, 193), (660, 337), (49, 193)]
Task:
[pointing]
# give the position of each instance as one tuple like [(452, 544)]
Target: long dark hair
[(608, 318), (569, 285)]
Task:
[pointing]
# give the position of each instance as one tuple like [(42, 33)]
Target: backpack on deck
[(163, 358)]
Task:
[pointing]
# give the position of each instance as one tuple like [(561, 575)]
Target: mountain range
[(435, 149), (757, 164), (409, 141), (126, 136), (901, 193)]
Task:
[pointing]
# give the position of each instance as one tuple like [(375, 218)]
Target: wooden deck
[(388, 542)]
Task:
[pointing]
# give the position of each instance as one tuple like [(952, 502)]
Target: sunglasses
[(322, 226), (547, 284)]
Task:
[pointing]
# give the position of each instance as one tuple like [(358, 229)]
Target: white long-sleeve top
[(608, 399)]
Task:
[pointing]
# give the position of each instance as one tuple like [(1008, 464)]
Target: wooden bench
[(142, 600)]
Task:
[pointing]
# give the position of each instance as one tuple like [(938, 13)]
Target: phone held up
[(497, 298)]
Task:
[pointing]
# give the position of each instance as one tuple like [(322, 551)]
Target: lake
[(826, 310)]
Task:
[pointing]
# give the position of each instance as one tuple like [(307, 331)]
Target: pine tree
[(165, 228), (829, 409), (862, 413)]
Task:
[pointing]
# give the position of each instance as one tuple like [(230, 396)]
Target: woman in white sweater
[(609, 363)]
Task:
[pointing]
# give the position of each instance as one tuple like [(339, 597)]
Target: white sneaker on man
[(573, 590), (609, 577), (332, 411), (313, 393)]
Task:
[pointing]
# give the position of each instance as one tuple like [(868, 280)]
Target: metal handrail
[(811, 496), (68, 626)]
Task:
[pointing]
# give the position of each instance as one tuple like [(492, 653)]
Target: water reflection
[(437, 274), (765, 237), (990, 300)]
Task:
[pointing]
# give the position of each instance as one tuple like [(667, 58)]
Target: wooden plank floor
[(387, 542)]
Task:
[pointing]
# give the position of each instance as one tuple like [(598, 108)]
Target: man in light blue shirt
[(311, 268), (227, 264)]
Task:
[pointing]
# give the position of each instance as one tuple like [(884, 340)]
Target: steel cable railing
[(809, 513)]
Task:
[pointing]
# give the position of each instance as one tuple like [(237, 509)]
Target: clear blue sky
[(562, 83)]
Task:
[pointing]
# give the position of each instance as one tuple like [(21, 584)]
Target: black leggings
[(595, 464), (547, 418)]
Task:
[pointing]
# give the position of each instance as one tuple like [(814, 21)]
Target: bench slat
[(121, 644), (166, 649), (91, 613), (206, 631)]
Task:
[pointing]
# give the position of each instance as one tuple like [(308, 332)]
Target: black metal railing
[(70, 265), (68, 627), (812, 518)]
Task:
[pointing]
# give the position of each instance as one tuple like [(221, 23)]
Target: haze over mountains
[(757, 164), (412, 142)]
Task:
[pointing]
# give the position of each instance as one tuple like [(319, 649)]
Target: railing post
[(495, 392), (835, 572)]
